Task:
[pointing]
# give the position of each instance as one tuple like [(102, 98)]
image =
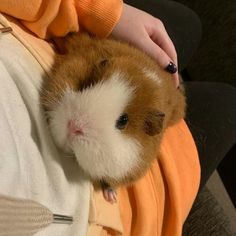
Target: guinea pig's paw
[(110, 195)]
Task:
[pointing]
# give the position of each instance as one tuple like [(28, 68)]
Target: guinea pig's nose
[(74, 129)]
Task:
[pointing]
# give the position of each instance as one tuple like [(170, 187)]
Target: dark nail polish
[(171, 68)]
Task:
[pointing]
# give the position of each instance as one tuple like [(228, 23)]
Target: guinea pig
[(109, 104)]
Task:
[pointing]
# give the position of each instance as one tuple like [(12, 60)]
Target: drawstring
[(5, 30), (20, 217)]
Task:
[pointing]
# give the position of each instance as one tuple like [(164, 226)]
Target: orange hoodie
[(58, 17), (157, 204)]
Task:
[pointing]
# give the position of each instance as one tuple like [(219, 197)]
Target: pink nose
[(74, 129)]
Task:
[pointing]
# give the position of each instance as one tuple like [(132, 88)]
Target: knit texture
[(207, 217), (59, 17)]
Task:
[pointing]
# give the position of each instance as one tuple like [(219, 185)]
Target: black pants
[(211, 113)]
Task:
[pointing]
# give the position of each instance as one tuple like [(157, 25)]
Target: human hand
[(148, 34)]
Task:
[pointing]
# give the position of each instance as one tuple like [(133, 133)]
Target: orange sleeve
[(58, 17), (99, 16)]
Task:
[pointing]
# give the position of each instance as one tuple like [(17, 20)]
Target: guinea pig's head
[(106, 114)]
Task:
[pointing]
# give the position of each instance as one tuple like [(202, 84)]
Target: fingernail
[(171, 68)]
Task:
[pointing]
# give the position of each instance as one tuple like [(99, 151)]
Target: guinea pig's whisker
[(49, 98)]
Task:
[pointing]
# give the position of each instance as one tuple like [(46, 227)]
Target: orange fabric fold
[(158, 204)]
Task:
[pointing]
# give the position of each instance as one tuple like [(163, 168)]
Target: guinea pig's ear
[(71, 43), (153, 123)]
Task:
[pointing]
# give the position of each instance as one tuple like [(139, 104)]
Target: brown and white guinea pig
[(109, 104)]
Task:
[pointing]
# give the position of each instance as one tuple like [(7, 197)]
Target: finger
[(160, 36), (176, 80), (153, 50), (158, 54)]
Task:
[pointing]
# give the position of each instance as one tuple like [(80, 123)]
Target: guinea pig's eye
[(103, 62), (122, 121)]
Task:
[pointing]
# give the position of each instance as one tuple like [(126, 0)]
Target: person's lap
[(210, 115)]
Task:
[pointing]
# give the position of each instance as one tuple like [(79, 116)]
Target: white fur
[(103, 150), (152, 75)]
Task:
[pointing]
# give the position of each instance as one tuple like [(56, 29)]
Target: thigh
[(181, 23), (211, 117)]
